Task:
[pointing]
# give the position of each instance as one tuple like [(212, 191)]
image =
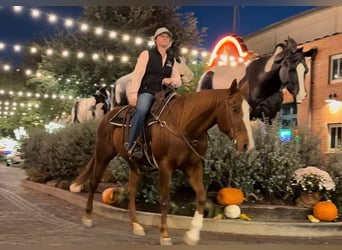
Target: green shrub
[(58, 156), (263, 174)]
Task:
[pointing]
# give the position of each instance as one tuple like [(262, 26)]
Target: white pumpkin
[(232, 211)]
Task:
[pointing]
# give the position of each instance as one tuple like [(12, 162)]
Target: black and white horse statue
[(91, 108), (264, 79), (118, 92)]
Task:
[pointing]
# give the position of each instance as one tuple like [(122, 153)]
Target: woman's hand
[(133, 102), (166, 81)]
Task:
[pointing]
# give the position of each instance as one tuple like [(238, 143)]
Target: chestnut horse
[(179, 140)]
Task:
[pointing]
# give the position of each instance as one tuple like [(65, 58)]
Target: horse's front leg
[(164, 191), (134, 176), (195, 175)]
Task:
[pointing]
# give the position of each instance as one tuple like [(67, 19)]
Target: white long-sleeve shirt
[(139, 72)]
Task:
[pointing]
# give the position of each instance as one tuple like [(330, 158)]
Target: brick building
[(321, 111)]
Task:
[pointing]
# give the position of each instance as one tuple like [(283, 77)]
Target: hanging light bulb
[(52, 18), (84, 27), (69, 23), (17, 9), (35, 13), (17, 48)]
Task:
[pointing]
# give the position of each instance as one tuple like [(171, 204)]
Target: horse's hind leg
[(100, 164), (134, 176), (195, 175)]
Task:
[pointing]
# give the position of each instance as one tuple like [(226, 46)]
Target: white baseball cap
[(162, 30)]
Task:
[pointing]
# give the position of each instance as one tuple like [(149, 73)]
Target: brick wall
[(314, 113)]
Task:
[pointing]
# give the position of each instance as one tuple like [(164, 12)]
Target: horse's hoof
[(188, 240), (87, 221), (137, 229), (167, 241), (75, 188)]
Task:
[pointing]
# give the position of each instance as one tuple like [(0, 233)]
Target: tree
[(71, 76), (129, 20)]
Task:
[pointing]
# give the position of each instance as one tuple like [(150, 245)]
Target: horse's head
[(102, 95), (292, 67), (186, 74), (236, 123)]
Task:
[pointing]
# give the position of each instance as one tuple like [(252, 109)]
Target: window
[(336, 68), (335, 135), (288, 115)]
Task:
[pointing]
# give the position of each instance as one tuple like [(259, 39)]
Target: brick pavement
[(29, 217)]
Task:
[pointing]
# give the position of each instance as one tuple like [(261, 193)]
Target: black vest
[(155, 72)]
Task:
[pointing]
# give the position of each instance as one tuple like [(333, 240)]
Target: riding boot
[(136, 151)]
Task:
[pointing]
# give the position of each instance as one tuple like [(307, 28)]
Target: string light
[(35, 13), (36, 95), (84, 27), (17, 9), (52, 18), (17, 48), (98, 31), (69, 23)]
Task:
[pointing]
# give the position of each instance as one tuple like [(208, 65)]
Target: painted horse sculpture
[(178, 140), (264, 79), (94, 107), (119, 90)]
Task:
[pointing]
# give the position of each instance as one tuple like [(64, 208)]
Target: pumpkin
[(232, 211), (230, 196), (325, 210), (110, 195)]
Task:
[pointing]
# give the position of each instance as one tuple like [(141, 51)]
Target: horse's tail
[(78, 184)]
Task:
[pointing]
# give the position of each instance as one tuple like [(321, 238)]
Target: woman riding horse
[(178, 140)]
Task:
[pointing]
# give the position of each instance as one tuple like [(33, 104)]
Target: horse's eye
[(234, 109)]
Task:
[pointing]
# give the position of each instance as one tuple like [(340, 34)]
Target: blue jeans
[(142, 109)]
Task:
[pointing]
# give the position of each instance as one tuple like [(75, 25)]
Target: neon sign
[(225, 47)]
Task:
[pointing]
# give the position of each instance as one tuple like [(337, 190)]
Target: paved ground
[(32, 218)]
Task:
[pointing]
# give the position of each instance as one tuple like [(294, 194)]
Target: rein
[(163, 124)]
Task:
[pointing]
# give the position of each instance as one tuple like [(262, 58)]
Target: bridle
[(178, 133)]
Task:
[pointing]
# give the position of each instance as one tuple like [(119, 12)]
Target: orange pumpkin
[(230, 196), (325, 210), (110, 195)]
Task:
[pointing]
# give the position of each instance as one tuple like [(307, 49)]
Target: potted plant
[(310, 184)]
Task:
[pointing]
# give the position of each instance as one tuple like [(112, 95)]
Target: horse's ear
[(234, 87), (311, 53), (292, 45), (277, 56)]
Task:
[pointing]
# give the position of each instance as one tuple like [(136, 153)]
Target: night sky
[(20, 28)]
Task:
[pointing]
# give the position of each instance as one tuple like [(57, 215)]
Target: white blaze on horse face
[(247, 122), (301, 76), (269, 63)]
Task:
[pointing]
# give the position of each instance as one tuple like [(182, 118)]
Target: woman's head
[(162, 37)]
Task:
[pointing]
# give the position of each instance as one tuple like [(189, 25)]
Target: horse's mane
[(184, 106)]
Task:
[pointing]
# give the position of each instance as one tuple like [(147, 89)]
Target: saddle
[(124, 116)]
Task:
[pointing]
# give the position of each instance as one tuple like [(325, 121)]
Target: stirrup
[(136, 151)]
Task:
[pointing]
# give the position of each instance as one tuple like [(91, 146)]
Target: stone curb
[(233, 226)]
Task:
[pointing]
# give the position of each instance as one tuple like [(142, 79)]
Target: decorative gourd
[(232, 211), (325, 210), (110, 195), (230, 196)]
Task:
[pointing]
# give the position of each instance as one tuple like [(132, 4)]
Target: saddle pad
[(120, 118)]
